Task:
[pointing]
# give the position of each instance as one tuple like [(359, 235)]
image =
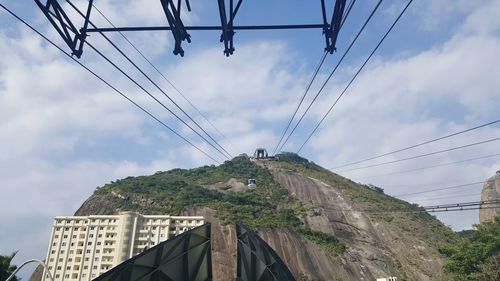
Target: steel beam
[(73, 37)]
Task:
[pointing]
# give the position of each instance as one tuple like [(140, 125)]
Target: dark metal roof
[(256, 260)]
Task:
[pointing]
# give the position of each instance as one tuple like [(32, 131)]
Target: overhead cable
[(149, 93), (422, 155), (452, 196), (315, 73), (166, 79), (331, 74), (108, 84), (430, 167), (438, 189), (346, 14), (355, 76), (421, 144), (463, 206)]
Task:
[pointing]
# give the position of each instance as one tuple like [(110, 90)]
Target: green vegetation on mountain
[(476, 256), (297, 205), (268, 205)]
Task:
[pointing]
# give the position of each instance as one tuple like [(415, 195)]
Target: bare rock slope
[(491, 191)]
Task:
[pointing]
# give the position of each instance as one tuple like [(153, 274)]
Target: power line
[(420, 144), (318, 67), (108, 84), (166, 79), (430, 167), (144, 89), (463, 206), (355, 75), (438, 189), (331, 74), (422, 155), (349, 8), (453, 196)]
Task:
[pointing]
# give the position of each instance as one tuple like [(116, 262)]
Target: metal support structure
[(179, 32), (227, 27), (75, 38), (331, 30)]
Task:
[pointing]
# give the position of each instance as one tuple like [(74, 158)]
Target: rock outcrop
[(491, 191), (375, 243)]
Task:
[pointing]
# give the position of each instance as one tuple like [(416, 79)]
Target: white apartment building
[(84, 247)]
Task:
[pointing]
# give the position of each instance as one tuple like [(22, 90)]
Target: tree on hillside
[(6, 268), (476, 257)]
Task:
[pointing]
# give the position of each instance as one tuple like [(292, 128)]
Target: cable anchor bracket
[(64, 26)]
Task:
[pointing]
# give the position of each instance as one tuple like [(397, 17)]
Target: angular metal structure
[(184, 257), (256, 260), (72, 36), (228, 9)]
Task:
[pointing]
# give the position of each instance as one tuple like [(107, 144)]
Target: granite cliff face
[(491, 191), (323, 226)]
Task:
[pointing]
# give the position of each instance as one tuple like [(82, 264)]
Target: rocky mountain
[(491, 191), (323, 226)]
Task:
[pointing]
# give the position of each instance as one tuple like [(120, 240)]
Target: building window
[(59, 268), (88, 252), (66, 229), (57, 236), (68, 267), (62, 251), (65, 236), (91, 235), (63, 244)]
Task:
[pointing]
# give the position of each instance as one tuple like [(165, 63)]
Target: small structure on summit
[(251, 182), (261, 154), (498, 173)]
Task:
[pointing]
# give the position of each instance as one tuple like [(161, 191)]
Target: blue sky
[(63, 133)]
